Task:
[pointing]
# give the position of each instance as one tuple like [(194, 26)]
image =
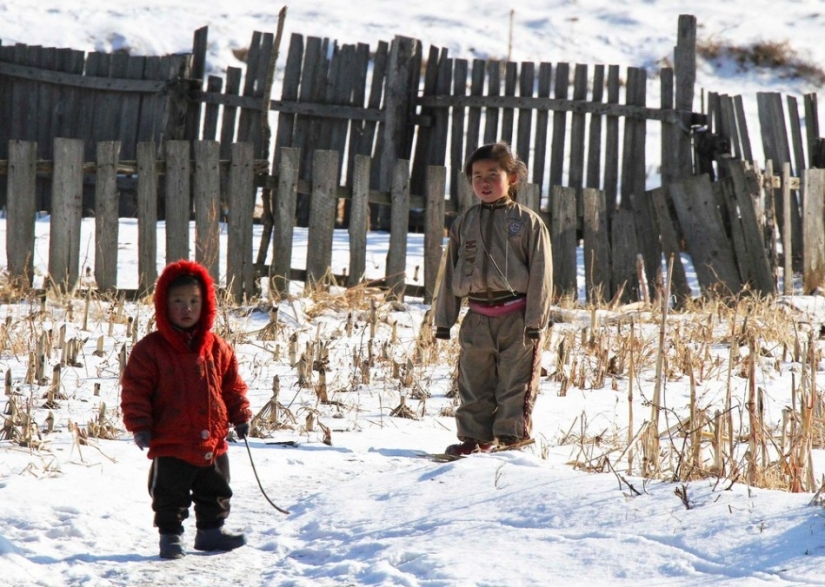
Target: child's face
[(490, 181), (184, 305)]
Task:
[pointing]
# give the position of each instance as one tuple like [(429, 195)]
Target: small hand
[(242, 430), (143, 438)]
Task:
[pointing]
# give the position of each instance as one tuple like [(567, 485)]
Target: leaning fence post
[(435, 190), (67, 200), (178, 203), (21, 211), (813, 231), (106, 215), (147, 203), (359, 220), (321, 218), (399, 227), (239, 266), (283, 212)]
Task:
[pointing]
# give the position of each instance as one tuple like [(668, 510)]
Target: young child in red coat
[(181, 391)]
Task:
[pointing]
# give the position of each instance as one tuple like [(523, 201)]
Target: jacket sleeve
[(447, 304), (138, 384), (233, 389), (540, 287)]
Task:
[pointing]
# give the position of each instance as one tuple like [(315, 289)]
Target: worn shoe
[(468, 447), (218, 539), (171, 546), (509, 440)]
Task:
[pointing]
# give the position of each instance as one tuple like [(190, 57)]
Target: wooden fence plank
[(31, 120), (68, 105), (668, 129), (46, 105), (397, 253), (20, 214), (283, 211), (746, 192), (527, 81), (230, 113), (130, 113), (633, 181), (289, 93), (729, 120), (491, 113), (564, 240), (669, 234), (433, 227), (596, 247), (437, 148), (359, 67), (175, 69), (611, 147), (321, 218), (147, 199), (424, 135), (359, 220), (577, 128), (796, 135), (193, 112), (474, 112), (368, 132), (742, 125), (212, 111), (7, 84), (530, 196), (684, 57), (457, 157), (594, 140), (395, 135), (811, 125), (64, 227), (507, 114), (149, 126), (776, 148), (239, 266), (177, 203), (107, 223), (702, 228), (559, 127), (623, 250), (207, 198), (813, 236), (255, 58), (542, 118)]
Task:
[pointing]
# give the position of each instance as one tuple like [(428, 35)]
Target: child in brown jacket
[(499, 258)]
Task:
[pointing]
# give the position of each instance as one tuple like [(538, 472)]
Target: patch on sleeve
[(514, 227)]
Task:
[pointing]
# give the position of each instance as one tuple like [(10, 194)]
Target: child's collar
[(500, 203)]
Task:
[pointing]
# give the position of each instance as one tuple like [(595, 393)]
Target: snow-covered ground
[(367, 509)]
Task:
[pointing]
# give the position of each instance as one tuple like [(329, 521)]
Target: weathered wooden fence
[(723, 223), (400, 126)]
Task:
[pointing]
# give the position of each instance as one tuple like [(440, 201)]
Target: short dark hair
[(185, 279), (501, 153)]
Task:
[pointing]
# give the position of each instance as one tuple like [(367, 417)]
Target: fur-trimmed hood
[(208, 308)]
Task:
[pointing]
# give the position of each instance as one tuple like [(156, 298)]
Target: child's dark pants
[(174, 484)]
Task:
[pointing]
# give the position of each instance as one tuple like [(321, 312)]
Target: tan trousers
[(498, 377)]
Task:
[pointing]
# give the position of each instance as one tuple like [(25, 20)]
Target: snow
[(368, 509)]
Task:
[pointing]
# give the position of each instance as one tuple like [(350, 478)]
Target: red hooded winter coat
[(185, 393)]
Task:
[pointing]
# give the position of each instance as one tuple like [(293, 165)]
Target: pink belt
[(494, 310)]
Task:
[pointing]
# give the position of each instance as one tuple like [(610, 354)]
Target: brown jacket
[(495, 248)]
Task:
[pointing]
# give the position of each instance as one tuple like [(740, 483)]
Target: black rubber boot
[(218, 539), (171, 546)]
